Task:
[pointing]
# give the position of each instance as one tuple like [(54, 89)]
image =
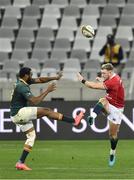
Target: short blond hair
[(107, 66)]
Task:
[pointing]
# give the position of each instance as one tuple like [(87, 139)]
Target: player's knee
[(31, 136), (48, 112)]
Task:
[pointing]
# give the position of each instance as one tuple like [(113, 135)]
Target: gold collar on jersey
[(23, 81)]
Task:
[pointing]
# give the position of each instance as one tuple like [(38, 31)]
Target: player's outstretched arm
[(36, 100), (47, 79), (90, 84)]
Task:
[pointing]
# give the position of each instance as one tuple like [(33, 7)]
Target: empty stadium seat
[(69, 23), (41, 3), (108, 21), (23, 44), (72, 11), (19, 55), (49, 22), (131, 55), (43, 44), (51, 64), (80, 3), (82, 44), (111, 10), (91, 69), (52, 10), (130, 2), (95, 55), (122, 31), (29, 23), (99, 3), (3, 56), (62, 44), (128, 10), (12, 11), (91, 11), (58, 54), (7, 34), (79, 54), (32, 11), (118, 3), (46, 33), (26, 34), (21, 3), (126, 20), (10, 22), (5, 45), (103, 31), (11, 66), (4, 3), (65, 32), (71, 68), (48, 72), (40, 54), (60, 3)]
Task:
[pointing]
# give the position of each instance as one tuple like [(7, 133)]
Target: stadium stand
[(12, 11), (47, 34)]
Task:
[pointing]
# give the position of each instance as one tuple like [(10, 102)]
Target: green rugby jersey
[(20, 96)]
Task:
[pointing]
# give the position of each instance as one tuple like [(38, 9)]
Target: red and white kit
[(115, 96)]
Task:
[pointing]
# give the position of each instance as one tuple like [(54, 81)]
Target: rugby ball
[(87, 31)]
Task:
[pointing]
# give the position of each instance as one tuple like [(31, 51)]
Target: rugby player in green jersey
[(22, 113)]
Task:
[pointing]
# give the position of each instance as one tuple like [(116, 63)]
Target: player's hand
[(51, 87), (80, 77), (59, 75)]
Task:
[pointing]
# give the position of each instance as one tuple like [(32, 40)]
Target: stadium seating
[(39, 54), (41, 3), (12, 11), (48, 33), (111, 10), (32, 12), (49, 22), (7, 33), (26, 34), (21, 3), (43, 44), (52, 10), (118, 3), (65, 31), (79, 3), (99, 3), (91, 11), (69, 23), (60, 3), (10, 22), (4, 3), (19, 54)]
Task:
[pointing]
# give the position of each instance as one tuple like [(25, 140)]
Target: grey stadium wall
[(51, 129)]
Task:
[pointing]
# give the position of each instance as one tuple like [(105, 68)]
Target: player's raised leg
[(101, 106), (59, 116)]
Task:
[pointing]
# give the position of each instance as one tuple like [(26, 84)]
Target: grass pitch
[(68, 160)]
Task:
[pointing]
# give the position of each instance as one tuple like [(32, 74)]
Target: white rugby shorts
[(24, 118), (115, 115)]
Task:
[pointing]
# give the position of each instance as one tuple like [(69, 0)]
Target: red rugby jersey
[(115, 91)]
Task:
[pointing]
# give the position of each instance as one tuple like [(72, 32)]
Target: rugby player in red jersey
[(112, 104)]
